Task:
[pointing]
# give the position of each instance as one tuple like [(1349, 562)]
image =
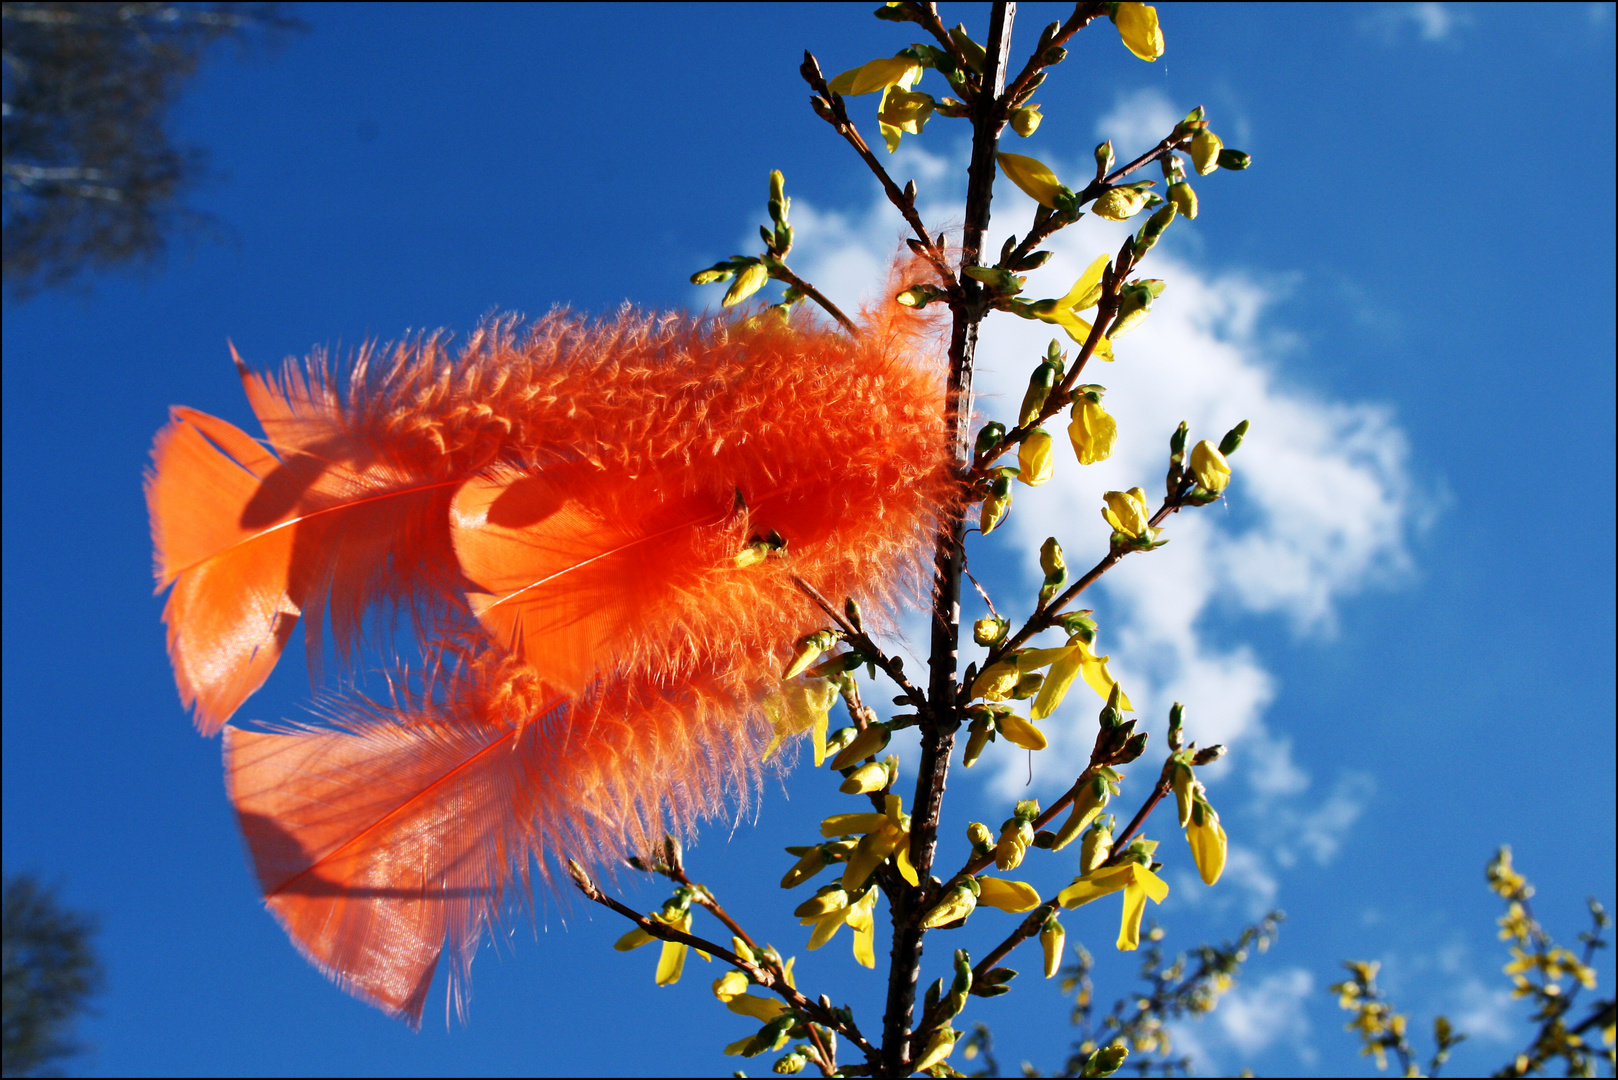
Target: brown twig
[(781, 272), (1081, 17), (767, 977), (1164, 783), (891, 665), (829, 107)]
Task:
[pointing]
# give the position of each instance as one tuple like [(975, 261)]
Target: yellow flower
[(803, 704), (1084, 295), (862, 920), (1093, 430), (1022, 733), (1119, 203), (873, 776), (1184, 199), (867, 743), (1096, 845), (957, 904), (672, 960), (729, 985), (1033, 176), (1015, 837), (938, 1048), (1127, 512), (884, 834), (1137, 882), (1034, 458), (1210, 466), (1051, 939), (1207, 839), (1068, 663), (759, 1008), (997, 681), (1025, 121), (1012, 896), (749, 281), (877, 75), (633, 940), (901, 111), (1205, 147), (1137, 25)]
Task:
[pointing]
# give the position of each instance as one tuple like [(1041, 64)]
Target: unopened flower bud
[(1104, 158), (990, 630), (1118, 204), (1051, 939), (1176, 722), (1205, 147), (978, 834), (1050, 557), (1025, 121), (868, 743), (749, 281), (1210, 467), (1183, 199), (976, 740), (872, 776), (1233, 439), (1234, 160)]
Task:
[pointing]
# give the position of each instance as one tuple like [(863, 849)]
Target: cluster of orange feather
[(559, 509)]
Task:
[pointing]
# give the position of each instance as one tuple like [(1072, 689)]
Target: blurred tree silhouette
[(50, 971), (91, 179)]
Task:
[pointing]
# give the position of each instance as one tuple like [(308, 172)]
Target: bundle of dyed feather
[(571, 515)]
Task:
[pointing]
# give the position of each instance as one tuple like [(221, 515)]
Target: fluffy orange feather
[(560, 510)]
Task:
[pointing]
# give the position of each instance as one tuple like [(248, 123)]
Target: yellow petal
[(876, 75), (1063, 671), (1129, 926), (759, 1008), (1101, 680), (1012, 896), (671, 963), (1086, 292), (1033, 176), (1079, 330), (1022, 733), (1119, 204), (798, 706), (1093, 432), (1034, 458), (1137, 26), (852, 824), (901, 859), (633, 940), (1208, 847), (1094, 886), (826, 928), (865, 947), (1209, 465)]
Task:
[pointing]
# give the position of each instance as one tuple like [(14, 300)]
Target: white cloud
[(1430, 22), (1320, 509), (1138, 120), (1272, 1011), (1482, 1011)]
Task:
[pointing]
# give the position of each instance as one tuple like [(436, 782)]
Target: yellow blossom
[(1119, 203), (1025, 121), (799, 705), (1022, 733), (1209, 465), (1207, 839), (872, 776), (1033, 176), (729, 985), (1093, 431), (938, 1048), (1015, 837), (749, 281), (1051, 939), (1012, 896), (877, 75), (1127, 512), (672, 960), (1034, 458), (1184, 198), (1084, 295), (1068, 663), (901, 111), (1137, 25), (1205, 147), (957, 904), (1096, 845), (1138, 884), (862, 920), (759, 1008), (885, 834), (997, 681)]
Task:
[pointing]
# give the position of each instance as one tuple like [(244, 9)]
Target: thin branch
[(1121, 841), (829, 107), (780, 272), (862, 640), (1081, 17), (764, 976)]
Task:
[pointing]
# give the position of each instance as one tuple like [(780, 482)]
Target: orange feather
[(582, 491)]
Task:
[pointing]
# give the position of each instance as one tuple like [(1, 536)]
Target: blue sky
[(1402, 622)]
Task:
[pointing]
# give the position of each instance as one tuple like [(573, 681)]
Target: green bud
[(1050, 557), (1233, 438), (1053, 354), (1111, 715), (1176, 719), (990, 630), (1234, 160), (972, 54), (1209, 754), (990, 436), (1104, 158), (1105, 1061), (1039, 388), (1134, 748), (791, 1064), (840, 739), (930, 999)]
